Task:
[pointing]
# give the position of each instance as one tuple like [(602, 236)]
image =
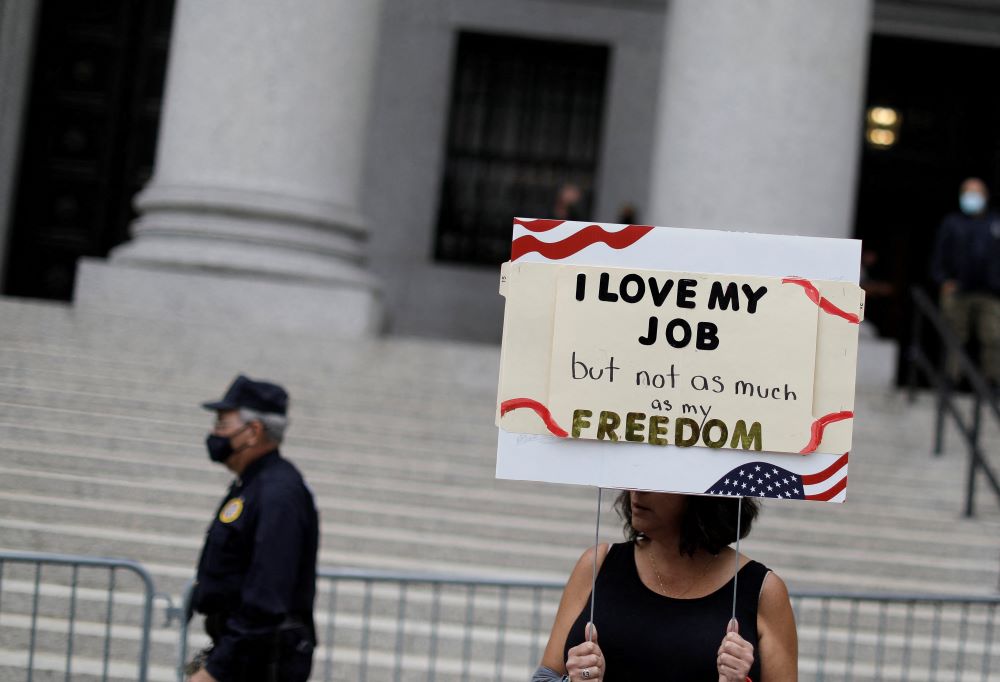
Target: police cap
[(261, 396)]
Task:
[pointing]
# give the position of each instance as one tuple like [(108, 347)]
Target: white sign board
[(727, 359)]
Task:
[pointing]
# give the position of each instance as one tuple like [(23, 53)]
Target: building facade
[(352, 167)]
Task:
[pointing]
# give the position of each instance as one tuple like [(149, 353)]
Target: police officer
[(257, 573)]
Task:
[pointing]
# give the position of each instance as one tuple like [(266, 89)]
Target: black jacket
[(257, 570), (968, 251)]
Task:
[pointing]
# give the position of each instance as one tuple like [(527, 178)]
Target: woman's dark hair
[(708, 523)]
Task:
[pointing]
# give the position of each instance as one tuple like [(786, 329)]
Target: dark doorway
[(525, 118), (948, 128), (90, 138)]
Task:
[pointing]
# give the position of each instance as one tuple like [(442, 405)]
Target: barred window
[(525, 118)]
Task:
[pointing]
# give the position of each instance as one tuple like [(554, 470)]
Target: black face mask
[(220, 448)]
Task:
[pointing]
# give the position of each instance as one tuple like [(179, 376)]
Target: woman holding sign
[(665, 597)]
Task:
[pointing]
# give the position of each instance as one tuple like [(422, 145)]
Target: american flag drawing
[(762, 479)]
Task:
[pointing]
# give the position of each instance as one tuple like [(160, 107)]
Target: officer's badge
[(232, 510)]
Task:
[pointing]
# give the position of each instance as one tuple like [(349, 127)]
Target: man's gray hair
[(274, 424)]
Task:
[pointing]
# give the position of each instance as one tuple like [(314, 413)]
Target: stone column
[(760, 115), (760, 124), (253, 211)]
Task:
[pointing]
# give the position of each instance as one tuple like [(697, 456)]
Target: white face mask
[(972, 202)]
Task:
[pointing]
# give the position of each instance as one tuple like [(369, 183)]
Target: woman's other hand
[(585, 661), (735, 655)]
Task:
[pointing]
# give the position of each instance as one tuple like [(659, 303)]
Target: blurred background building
[(176, 175), (353, 167)]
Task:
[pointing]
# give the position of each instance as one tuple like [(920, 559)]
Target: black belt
[(290, 623), (215, 624)]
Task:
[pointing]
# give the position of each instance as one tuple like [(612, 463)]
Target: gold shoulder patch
[(232, 510)]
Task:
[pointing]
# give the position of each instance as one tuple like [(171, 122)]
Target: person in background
[(627, 215), (569, 203), (664, 601), (966, 268), (256, 580)]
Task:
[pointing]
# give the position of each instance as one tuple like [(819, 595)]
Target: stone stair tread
[(100, 448)]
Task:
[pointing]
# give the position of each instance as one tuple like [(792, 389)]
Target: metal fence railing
[(374, 625), (379, 625), (897, 637), (65, 616)]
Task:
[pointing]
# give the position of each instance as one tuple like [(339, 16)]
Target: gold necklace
[(663, 590)]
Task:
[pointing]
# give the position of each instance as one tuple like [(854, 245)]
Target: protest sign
[(666, 359)]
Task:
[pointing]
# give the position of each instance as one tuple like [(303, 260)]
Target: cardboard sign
[(679, 374)]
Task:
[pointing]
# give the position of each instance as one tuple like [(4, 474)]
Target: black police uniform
[(257, 576)]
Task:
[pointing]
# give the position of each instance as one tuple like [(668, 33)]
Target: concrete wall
[(407, 141)]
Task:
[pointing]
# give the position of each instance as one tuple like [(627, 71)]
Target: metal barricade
[(66, 616), (386, 625), (72, 615), (183, 650), (382, 625), (389, 626), (897, 637)]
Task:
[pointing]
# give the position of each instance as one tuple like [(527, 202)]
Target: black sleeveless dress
[(646, 636)]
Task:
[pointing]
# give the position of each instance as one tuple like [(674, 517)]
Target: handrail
[(379, 575), (981, 391), (427, 577), (412, 577), (908, 597)]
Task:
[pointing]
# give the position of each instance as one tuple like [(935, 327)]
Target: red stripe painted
[(831, 309), (828, 495), (818, 426), (811, 291), (578, 241), (542, 411), (538, 225), (824, 304), (819, 477)]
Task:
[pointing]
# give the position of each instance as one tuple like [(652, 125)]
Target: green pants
[(980, 311)]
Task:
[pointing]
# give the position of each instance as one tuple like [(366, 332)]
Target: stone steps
[(430, 535), (101, 454)]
